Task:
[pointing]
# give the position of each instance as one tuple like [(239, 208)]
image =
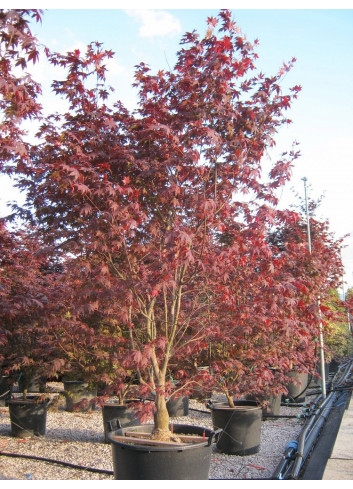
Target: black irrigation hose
[(199, 410), (334, 389), (59, 462), (298, 416), (293, 404)]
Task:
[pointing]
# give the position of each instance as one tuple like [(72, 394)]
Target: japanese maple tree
[(164, 207), (276, 306), (30, 304), (312, 276)]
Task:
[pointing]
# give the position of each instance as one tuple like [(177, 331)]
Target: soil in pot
[(167, 461), (79, 396), (241, 427), (125, 413), (28, 417), (178, 406)]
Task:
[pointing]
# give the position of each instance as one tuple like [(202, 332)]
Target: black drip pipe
[(335, 389), (275, 416), (293, 404), (59, 462), (199, 410), (311, 405)]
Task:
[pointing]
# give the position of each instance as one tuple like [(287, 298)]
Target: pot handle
[(113, 424), (215, 434), (209, 404)]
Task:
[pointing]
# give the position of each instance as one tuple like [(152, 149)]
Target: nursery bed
[(78, 439)]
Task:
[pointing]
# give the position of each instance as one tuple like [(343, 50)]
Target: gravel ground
[(78, 438)]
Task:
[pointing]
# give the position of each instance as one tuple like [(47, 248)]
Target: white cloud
[(155, 23), (114, 68)]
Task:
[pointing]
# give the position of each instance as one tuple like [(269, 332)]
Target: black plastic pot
[(125, 413), (79, 395), (271, 404), (6, 384), (178, 406), (297, 388), (28, 417), (274, 405), (241, 426), (316, 381), (142, 462), (32, 383), (333, 366)]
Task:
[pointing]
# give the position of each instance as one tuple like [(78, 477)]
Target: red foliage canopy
[(166, 211)]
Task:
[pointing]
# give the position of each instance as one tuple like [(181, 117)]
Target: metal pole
[(321, 336), (307, 215), (322, 354)]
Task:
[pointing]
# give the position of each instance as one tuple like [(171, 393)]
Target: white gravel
[(78, 438)]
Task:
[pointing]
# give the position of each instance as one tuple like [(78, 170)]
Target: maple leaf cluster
[(18, 91)]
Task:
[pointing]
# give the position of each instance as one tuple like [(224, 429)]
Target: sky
[(321, 40)]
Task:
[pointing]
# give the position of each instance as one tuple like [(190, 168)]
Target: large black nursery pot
[(125, 413), (298, 387), (334, 366), (6, 385), (79, 395), (32, 383), (241, 426), (189, 462), (316, 382), (28, 416), (178, 406), (271, 404)]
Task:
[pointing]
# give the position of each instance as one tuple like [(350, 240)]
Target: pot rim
[(76, 382), (115, 403), (244, 406), (28, 402), (210, 433)]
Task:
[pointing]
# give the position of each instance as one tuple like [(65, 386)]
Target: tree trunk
[(230, 400), (161, 430), (161, 417)]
